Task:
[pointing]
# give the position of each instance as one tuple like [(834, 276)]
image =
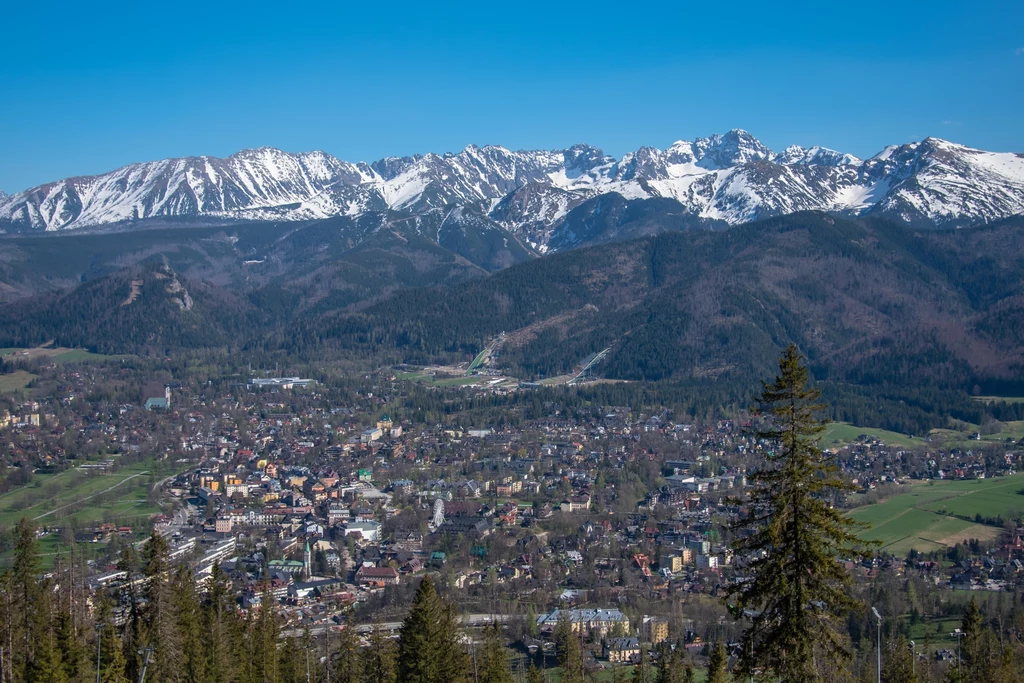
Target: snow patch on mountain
[(731, 177)]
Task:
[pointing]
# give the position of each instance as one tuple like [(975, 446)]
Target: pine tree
[(670, 668), (112, 664), (429, 650), (263, 640), (347, 664), (218, 627), (972, 627), (570, 652), (642, 671), (69, 648), (717, 663), (534, 675), (897, 662), (192, 667), (8, 622), (26, 592), (160, 623), (493, 663), (793, 539), (378, 660)]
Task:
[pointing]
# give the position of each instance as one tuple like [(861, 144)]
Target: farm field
[(923, 519)]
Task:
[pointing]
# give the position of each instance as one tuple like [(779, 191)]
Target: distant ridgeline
[(895, 322)]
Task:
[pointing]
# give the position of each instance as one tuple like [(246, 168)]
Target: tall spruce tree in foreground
[(429, 650), (792, 539)]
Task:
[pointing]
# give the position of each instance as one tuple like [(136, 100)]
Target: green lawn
[(84, 496), (15, 381), (843, 433), (923, 518)]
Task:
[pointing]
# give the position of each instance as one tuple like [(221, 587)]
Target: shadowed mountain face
[(869, 301), (878, 307), (727, 179)]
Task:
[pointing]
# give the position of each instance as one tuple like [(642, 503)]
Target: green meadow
[(930, 516)]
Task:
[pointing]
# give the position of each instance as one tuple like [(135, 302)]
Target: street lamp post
[(913, 659), (879, 617)]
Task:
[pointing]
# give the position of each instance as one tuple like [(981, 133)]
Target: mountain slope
[(732, 178), (869, 301)]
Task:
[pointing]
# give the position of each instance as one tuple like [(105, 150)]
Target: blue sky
[(88, 87)]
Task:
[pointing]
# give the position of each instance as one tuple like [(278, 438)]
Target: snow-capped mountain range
[(732, 178)]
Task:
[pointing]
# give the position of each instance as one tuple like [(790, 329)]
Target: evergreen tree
[(429, 650), (218, 627), (717, 663), (493, 664), (69, 648), (160, 623), (192, 667), (263, 640), (972, 640), (642, 671), (670, 669), (112, 664), (534, 675), (26, 592), (378, 660), (897, 662), (347, 664), (793, 538), (570, 652)]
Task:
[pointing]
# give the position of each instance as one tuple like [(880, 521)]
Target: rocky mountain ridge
[(731, 178)]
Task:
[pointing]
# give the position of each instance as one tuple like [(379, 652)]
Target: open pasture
[(931, 516)]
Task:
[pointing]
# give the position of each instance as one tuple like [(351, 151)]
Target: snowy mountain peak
[(821, 156), (734, 148), (731, 177)]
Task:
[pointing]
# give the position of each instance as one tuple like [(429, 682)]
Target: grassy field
[(58, 354), (87, 497), (843, 433), (15, 381), (436, 381), (924, 518)]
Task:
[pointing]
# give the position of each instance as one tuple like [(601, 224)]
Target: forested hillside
[(895, 322)]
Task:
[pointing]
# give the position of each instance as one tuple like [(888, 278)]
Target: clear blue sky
[(88, 87)]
